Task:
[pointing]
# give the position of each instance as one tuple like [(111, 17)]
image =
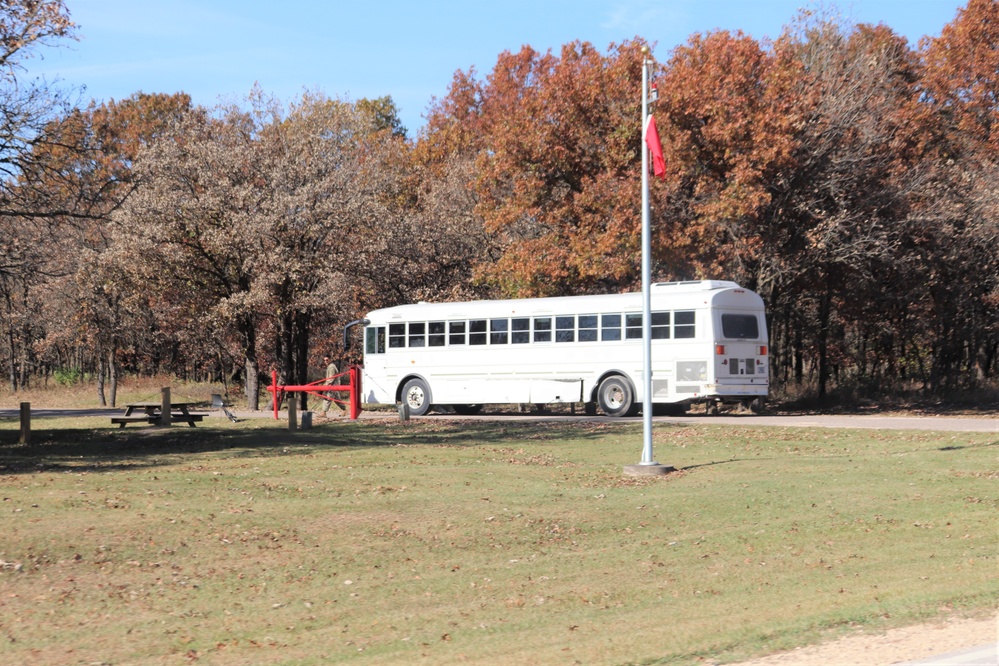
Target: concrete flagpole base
[(655, 469)]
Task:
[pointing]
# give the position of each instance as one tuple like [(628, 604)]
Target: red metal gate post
[(274, 388), (355, 392)]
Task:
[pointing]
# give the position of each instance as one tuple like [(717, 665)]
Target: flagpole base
[(653, 469)]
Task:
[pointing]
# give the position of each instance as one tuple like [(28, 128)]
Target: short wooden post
[(292, 414), (403, 411), (165, 413), (306, 420), (25, 423)]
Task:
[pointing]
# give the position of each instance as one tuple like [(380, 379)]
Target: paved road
[(984, 655)]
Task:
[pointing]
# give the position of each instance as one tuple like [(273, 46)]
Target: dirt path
[(905, 644)]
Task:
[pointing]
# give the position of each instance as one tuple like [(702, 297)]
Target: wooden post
[(306, 420), (25, 423), (165, 414), (292, 414)]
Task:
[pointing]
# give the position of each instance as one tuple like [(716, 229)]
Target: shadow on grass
[(78, 449), (969, 446)]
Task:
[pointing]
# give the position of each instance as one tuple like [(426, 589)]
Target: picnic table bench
[(152, 413)]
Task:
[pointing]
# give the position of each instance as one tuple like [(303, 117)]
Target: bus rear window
[(740, 326)]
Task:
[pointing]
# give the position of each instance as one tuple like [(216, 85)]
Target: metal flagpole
[(648, 466)]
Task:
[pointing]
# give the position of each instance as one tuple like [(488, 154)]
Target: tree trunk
[(113, 374), (302, 321), (799, 353), (824, 313), (252, 384), (11, 363), (252, 379), (101, 372)]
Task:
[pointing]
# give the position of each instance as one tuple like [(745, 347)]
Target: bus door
[(375, 367)]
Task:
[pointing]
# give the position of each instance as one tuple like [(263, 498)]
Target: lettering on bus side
[(498, 331)]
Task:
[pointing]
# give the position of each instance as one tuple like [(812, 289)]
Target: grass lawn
[(439, 541)]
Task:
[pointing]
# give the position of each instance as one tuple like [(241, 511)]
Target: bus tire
[(616, 396), (416, 394), (467, 410)]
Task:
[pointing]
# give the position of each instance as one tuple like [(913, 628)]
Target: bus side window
[(436, 337), (565, 329), (542, 329), (498, 329), (456, 333), (477, 332), (683, 326), (660, 326), (374, 340), (397, 336), (587, 328), (417, 334), (521, 331), (633, 326), (610, 327)]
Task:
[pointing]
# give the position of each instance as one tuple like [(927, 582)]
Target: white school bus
[(709, 345)]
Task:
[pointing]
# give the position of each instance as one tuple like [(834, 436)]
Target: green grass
[(438, 541)]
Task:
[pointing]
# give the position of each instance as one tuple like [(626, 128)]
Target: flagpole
[(648, 465)]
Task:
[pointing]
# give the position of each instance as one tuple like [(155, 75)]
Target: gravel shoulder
[(894, 646)]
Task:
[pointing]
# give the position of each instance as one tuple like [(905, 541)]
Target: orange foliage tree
[(555, 143)]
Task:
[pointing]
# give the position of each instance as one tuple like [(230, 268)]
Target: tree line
[(849, 178)]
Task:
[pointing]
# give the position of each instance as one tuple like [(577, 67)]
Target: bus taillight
[(762, 350), (720, 350)]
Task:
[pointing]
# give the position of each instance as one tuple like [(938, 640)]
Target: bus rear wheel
[(416, 395), (616, 396)]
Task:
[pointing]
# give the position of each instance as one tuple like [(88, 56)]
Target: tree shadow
[(102, 449)]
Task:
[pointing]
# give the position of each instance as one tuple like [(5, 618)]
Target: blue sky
[(215, 50)]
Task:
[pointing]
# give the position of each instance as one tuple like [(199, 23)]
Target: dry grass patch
[(443, 542)]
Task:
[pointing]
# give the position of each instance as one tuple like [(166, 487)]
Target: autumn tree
[(26, 106), (555, 139), (250, 221), (90, 172), (960, 205)]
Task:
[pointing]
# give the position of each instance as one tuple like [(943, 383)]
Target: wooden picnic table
[(152, 413)]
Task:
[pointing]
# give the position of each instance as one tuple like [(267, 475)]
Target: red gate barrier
[(320, 388)]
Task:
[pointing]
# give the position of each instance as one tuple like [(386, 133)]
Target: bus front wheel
[(416, 395), (615, 396)]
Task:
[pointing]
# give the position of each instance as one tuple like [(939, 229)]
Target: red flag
[(656, 146)]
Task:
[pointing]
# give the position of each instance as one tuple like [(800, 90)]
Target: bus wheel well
[(415, 392), (616, 395), (402, 383), (595, 391)]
